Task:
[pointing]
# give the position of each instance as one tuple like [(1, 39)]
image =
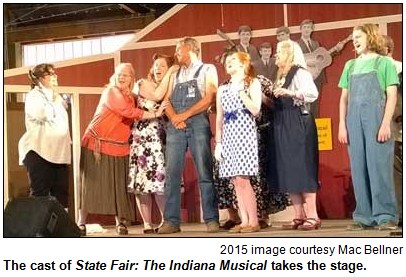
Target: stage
[(330, 228)]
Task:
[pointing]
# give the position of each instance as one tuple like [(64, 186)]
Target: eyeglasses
[(124, 75), (50, 74)]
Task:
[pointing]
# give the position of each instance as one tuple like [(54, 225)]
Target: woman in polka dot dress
[(236, 135)]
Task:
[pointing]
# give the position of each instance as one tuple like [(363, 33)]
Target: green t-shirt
[(387, 75)]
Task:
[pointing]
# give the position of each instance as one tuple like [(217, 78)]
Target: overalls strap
[(197, 72), (194, 76)]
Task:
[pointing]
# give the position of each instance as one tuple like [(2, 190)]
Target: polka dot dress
[(239, 136)]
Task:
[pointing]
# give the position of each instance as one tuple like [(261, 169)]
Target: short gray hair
[(194, 45)]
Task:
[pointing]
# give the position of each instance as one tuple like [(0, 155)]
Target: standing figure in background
[(308, 45), (283, 34), (191, 94), (245, 34), (265, 66), (105, 152), (293, 165), (236, 135), (398, 130), (147, 161), (45, 148), (367, 104)]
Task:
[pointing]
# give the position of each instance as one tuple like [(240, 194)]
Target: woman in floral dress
[(147, 162)]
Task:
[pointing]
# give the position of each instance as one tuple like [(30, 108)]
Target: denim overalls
[(197, 137), (371, 161)]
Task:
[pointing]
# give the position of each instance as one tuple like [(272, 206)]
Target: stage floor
[(330, 228)]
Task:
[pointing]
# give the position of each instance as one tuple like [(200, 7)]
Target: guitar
[(231, 44), (320, 58)]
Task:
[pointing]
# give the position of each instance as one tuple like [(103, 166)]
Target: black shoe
[(263, 224), (229, 224), (121, 229), (82, 229)]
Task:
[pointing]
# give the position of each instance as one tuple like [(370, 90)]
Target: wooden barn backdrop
[(85, 77)]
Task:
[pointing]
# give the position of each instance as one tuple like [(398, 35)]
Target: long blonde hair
[(113, 78), (286, 47)]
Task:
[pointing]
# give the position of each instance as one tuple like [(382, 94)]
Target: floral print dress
[(147, 162)]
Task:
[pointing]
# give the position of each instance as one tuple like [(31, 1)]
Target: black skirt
[(293, 151)]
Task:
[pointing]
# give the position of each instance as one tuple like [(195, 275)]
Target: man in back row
[(308, 45), (245, 34), (265, 66)]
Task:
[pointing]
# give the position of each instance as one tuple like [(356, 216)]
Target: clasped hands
[(179, 120), (283, 92)]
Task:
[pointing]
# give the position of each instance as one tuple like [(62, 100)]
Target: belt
[(97, 144)]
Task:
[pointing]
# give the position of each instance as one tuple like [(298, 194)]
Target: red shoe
[(294, 224), (310, 224)]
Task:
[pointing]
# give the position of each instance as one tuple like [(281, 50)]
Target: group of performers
[(266, 149)]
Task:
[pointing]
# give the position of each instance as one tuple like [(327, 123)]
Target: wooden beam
[(81, 28), (127, 8)]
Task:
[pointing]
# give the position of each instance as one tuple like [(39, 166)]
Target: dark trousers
[(47, 178)]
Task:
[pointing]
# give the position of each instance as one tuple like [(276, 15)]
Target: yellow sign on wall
[(324, 133)]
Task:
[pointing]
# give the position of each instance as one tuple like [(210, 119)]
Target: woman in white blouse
[(293, 145), (45, 148)]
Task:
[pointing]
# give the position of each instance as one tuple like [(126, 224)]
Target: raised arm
[(148, 90), (252, 97), (219, 118)]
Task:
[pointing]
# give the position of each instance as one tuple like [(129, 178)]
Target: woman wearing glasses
[(45, 148)]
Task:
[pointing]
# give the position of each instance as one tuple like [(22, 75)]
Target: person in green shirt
[(367, 105)]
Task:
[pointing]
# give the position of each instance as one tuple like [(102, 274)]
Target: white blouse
[(47, 124), (303, 84)]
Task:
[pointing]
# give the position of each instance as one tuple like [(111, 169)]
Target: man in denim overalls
[(194, 91)]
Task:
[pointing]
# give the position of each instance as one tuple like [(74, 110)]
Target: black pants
[(47, 178)]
